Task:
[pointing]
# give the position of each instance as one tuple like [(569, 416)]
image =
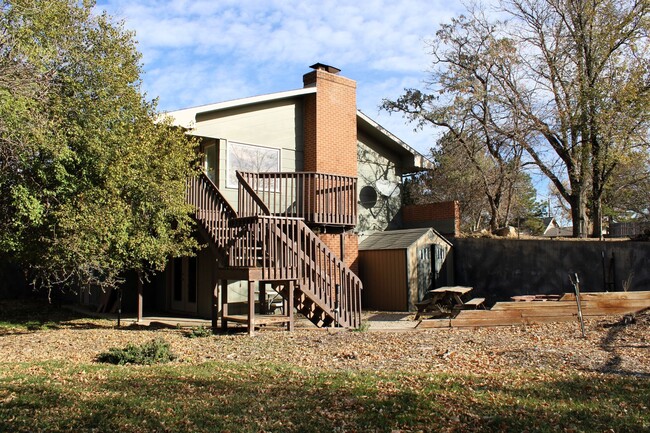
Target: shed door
[(425, 273), (440, 274)]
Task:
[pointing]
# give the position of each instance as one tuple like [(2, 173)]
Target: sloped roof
[(186, 117), (412, 159), (416, 159), (395, 239)]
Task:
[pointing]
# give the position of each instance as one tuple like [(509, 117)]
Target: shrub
[(363, 327), (153, 352), (199, 332)]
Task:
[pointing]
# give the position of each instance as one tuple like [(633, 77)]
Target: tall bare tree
[(468, 58), (566, 81)]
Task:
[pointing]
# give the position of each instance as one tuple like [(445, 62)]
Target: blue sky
[(200, 52)]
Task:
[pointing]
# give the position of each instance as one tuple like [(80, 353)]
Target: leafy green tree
[(93, 180), (565, 81), (489, 195)]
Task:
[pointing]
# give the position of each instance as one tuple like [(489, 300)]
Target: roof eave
[(413, 161), (186, 117)]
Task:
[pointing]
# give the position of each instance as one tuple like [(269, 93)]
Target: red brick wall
[(330, 124), (351, 244), (420, 214), (330, 142)]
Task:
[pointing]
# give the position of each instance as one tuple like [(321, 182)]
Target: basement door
[(184, 285)]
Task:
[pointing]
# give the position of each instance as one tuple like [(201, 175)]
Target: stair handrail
[(211, 208), (311, 272), (244, 186), (350, 299), (226, 226)]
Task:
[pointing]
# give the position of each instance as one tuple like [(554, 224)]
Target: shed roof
[(395, 239)]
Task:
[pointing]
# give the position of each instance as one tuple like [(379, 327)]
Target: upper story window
[(210, 161), (250, 158)]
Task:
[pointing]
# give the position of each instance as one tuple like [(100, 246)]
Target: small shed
[(397, 267)]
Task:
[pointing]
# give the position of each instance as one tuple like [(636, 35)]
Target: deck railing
[(318, 198), (285, 248), (282, 247), (212, 208)]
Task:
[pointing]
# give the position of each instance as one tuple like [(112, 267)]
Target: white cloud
[(199, 52)]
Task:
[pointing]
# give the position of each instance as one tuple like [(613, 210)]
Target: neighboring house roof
[(562, 232), (550, 226), (396, 239), (412, 159)]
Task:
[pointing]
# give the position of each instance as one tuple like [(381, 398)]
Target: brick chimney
[(330, 122)]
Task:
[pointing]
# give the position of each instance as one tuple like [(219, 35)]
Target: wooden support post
[(140, 297), (289, 306), (251, 308), (214, 312), (224, 304), (262, 298)]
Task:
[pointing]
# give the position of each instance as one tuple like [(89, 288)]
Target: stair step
[(215, 218)]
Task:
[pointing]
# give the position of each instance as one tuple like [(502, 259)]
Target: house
[(551, 229), (292, 181)]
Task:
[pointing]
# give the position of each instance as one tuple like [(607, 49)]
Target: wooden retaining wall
[(565, 309)]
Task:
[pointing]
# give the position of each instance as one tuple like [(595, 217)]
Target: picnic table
[(445, 300)]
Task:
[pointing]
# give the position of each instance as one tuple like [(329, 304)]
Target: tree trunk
[(579, 215), (597, 218)]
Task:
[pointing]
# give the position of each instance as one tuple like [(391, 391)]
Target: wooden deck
[(562, 310)]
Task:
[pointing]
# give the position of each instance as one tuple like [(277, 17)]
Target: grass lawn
[(220, 396), (227, 395)]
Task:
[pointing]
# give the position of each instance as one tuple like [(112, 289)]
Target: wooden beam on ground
[(607, 295), (434, 323)]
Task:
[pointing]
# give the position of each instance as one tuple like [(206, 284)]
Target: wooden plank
[(607, 295), (263, 319), (434, 323), (471, 323), (474, 302), (495, 319), (461, 290), (607, 306), (477, 318), (602, 311), (586, 303), (486, 314)]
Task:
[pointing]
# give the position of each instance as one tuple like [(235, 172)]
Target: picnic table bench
[(446, 299)]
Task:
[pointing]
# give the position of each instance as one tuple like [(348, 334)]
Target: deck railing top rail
[(318, 198)]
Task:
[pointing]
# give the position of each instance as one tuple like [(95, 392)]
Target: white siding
[(374, 164), (275, 124)]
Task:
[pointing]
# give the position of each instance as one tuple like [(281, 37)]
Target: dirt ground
[(618, 345)]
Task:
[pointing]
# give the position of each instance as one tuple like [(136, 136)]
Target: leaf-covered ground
[(533, 378)]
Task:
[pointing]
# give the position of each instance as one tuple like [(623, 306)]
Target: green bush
[(153, 352), (199, 332), (363, 327)]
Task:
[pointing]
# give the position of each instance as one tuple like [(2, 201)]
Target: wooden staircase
[(277, 250)]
